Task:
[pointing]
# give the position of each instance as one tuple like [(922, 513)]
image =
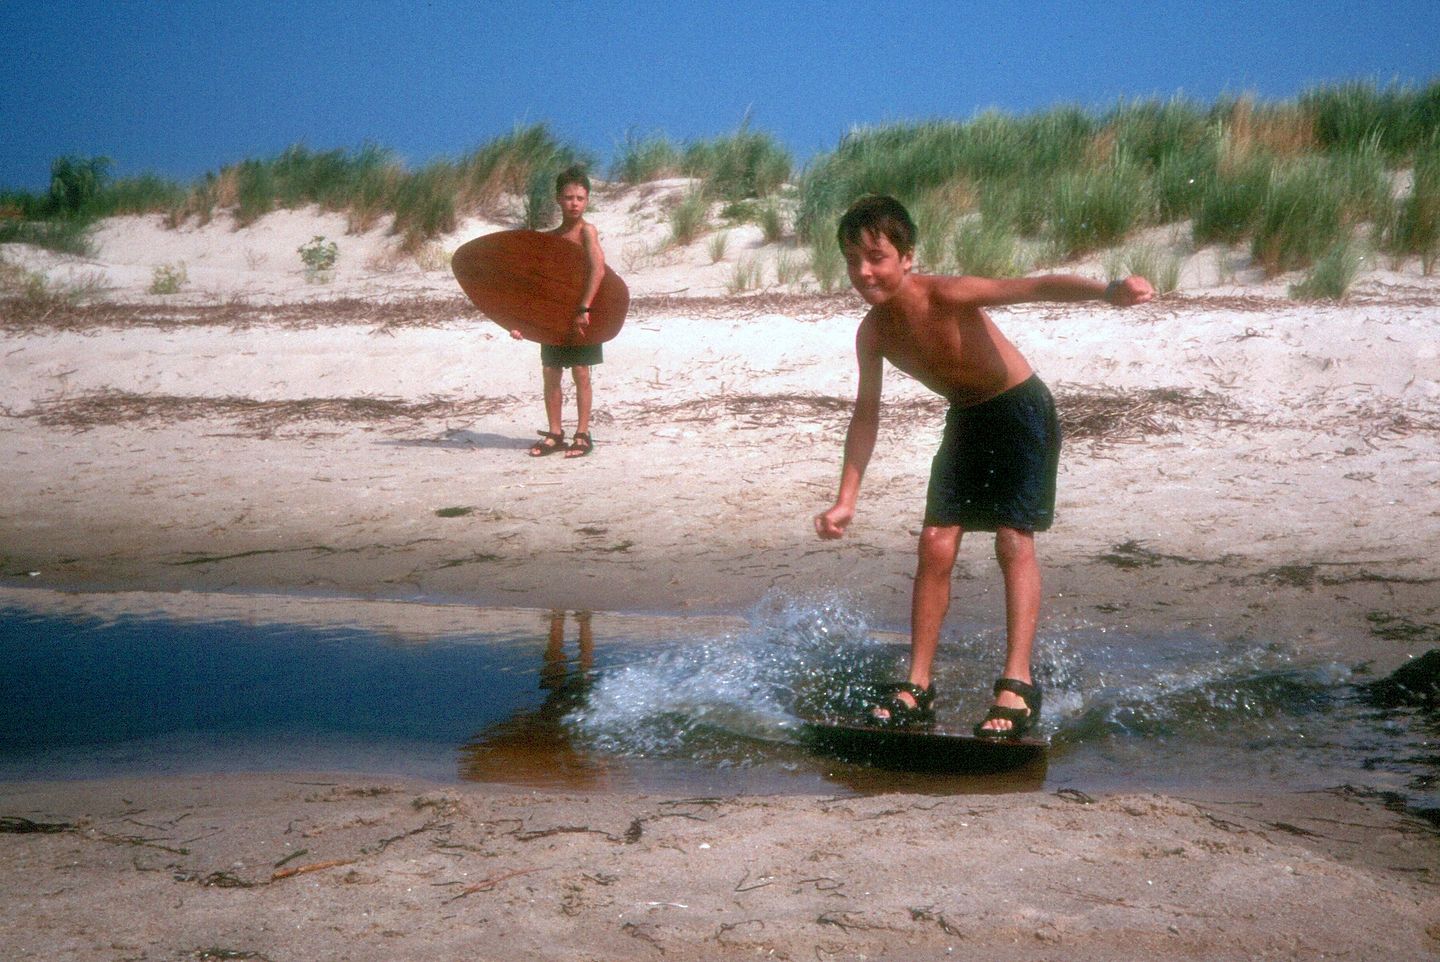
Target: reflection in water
[(533, 746)]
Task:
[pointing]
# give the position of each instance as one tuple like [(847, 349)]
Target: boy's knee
[(1013, 545), (938, 547)]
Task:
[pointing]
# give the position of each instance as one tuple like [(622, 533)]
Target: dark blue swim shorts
[(997, 463), (573, 355)]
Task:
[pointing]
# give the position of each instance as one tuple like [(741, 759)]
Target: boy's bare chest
[(955, 358)]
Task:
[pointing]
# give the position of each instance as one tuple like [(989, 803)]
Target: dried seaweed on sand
[(111, 408)]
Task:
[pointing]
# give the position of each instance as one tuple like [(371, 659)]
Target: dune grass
[(985, 250), (747, 163), (1160, 268), (1414, 228), (1331, 275), (690, 217), (1291, 179), (641, 160)]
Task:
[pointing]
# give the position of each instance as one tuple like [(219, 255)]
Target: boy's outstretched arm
[(994, 292), (859, 438)]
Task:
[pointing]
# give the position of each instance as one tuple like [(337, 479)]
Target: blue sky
[(182, 87)]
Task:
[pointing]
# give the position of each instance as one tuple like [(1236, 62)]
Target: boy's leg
[(1015, 550), (554, 396), (930, 599), (582, 397)]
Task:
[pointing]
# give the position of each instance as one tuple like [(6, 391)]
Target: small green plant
[(827, 264), (1301, 217), (772, 222), (1161, 269), (68, 235), (458, 511), (319, 256), (168, 278), (745, 275), (688, 219), (1333, 274), (1413, 226), (1094, 209), (717, 245), (789, 268), (744, 164), (540, 207), (987, 251), (643, 159), (36, 289)]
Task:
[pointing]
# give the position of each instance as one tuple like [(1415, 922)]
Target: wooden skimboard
[(926, 748), (531, 282)]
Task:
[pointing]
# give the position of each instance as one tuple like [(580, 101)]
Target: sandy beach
[(1238, 464)]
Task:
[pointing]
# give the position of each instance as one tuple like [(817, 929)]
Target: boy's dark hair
[(879, 213), (572, 175)]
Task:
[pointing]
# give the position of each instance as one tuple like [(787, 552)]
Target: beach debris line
[(111, 407)]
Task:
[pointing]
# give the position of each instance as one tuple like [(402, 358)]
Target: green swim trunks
[(571, 355), (997, 463)]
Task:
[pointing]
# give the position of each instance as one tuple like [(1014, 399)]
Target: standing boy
[(572, 193), (996, 466)]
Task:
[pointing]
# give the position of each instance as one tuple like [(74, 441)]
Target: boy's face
[(875, 267), (573, 199)]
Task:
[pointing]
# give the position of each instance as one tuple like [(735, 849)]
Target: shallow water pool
[(606, 702)]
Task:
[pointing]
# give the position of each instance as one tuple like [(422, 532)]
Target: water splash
[(695, 697), (720, 698)]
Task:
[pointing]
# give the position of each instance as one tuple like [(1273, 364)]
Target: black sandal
[(901, 713), (581, 446), (549, 443), (1021, 719)]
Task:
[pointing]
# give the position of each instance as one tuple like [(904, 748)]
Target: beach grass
[(746, 163), (1331, 275), (641, 160), (1414, 228), (690, 217), (986, 250), (789, 268), (827, 264), (1158, 266), (717, 245), (1301, 216), (1076, 179), (746, 274), (1098, 207)]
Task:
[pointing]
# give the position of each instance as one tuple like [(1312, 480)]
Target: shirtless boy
[(572, 193), (996, 466)]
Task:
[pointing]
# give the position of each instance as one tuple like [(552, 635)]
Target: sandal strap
[(924, 697), (902, 713), (1029, 694), (1013, 715), (554, 435)]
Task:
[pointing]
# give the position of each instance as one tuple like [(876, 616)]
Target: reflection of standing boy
[(572, 193), (996, 466)]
